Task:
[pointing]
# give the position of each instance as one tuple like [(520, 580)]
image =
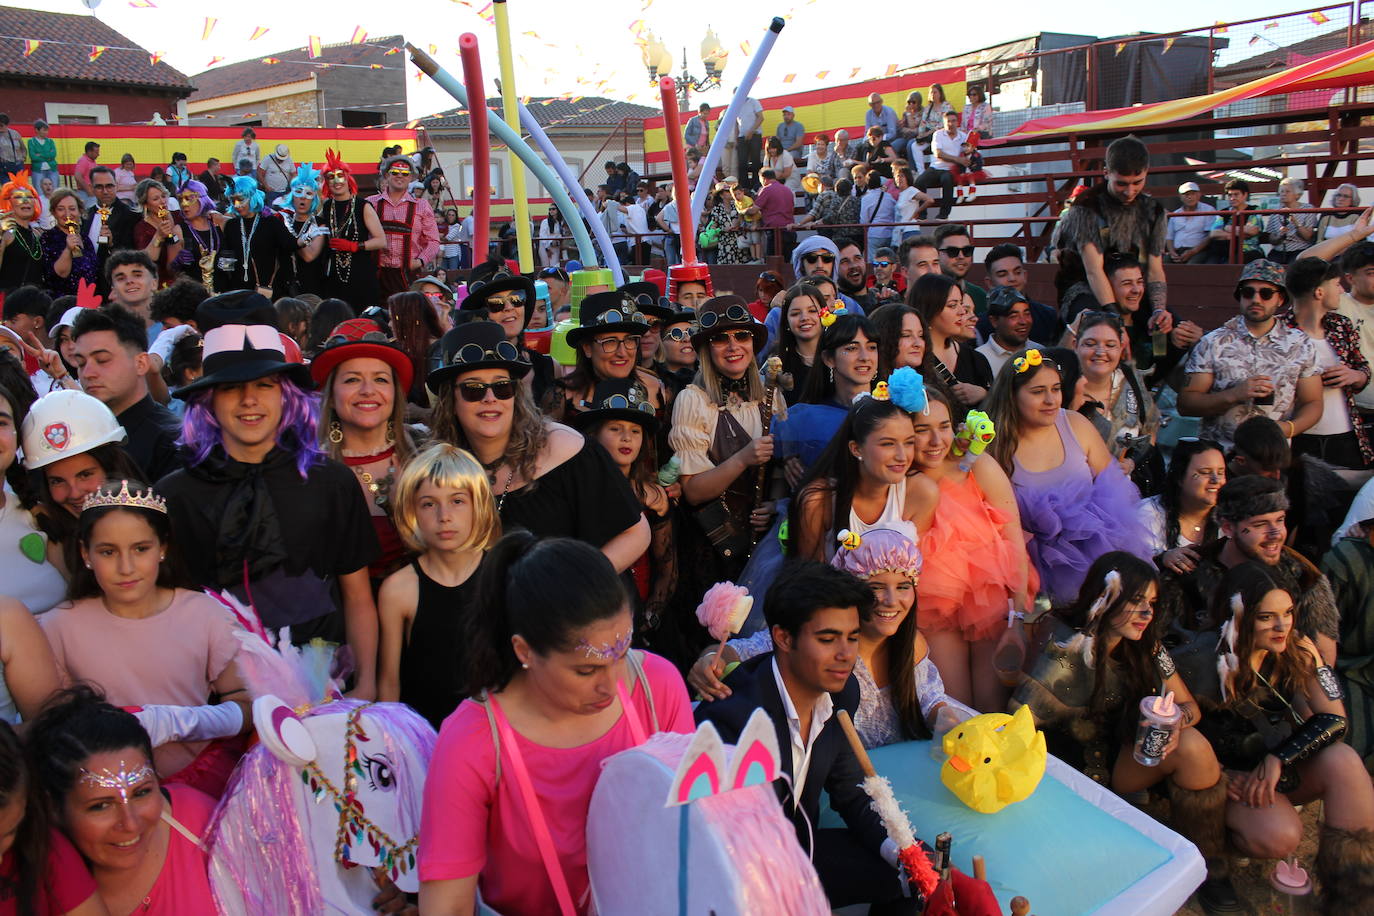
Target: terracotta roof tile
[(70, 62), (588, 111), (296, 65)]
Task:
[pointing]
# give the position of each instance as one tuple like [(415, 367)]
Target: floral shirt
[(1224, 221), (1231, 354), (1341, 335)]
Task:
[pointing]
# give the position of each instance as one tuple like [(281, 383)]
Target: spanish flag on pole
[(314, 47), (31, 45)]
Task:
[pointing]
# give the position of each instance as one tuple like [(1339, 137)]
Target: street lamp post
[(658, 60)]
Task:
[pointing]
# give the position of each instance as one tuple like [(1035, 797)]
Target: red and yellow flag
[(391, 51), (213, 61), (259, 32), (359, 36), (271, 60), (374, 66), (789, 77), (154, 58), (891, 70), (209, 27), (1319, 18), (822, 74), (143, 4), (96, 51), (31, 45), (314, 48)]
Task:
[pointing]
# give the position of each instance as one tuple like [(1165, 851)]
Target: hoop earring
[(335, 431), (390, 431)]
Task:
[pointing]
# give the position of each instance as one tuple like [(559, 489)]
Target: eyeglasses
[(1262, 293), (1213, 476), (709, 320), (881, 263), (608, 345), (956, 251), (738, 337), (681, 334), (473, 391), (824, 257), (475, 353), (620, 402)]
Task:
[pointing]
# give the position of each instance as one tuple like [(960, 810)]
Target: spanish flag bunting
[(359, 36), (313, 48), (271, 60), (209, 27), (433, 49), (1219, 28), (1168, 43), (259, 32), (822, 74), (154, 58), (855, 72), (143, 4), (213, 61), (96, 51), (391, 51), (411, 125), (789, 77), (647, 4), (487, 13), (374, 66), (419, 75), (891, 69), (746, 48), (1319, 18), (31, 45), (1271, 25)]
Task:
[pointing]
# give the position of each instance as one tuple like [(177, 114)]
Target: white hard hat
[(66, 423)]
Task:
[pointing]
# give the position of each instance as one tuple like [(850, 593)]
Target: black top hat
[(239, 306), (617, 399), (724, 313), (479, 290), (476, 345), (236, 353), (615, 310), (648, 299)]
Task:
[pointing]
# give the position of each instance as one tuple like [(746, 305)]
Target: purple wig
[(207, 206), (300, 414)]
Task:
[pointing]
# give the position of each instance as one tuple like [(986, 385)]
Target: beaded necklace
[(23, 235), (341, 230), (246, 235)]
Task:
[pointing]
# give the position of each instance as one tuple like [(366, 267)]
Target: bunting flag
[(143, 4), (789, 77), (1120, 46), (1168, 43), (391, 51), (820, 75), (208, 28), (1319, 18), (488, 14), (1271, 25), (359, 36), (374, 66), (1219, 28), (31, 45), (96, 51), (411, 125), (433, 50), (891, 70), (419, 75), (855, 72), (313, 48), (213, 61), (746, 48), (259, 32), (271, 60), (154, 58), (1338, 70)]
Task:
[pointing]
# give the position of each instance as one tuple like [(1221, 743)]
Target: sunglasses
[(1262, 293), (739, 337), (472, 392), (502, 301), (956, 251), (399, 172), (679, 334), (818, 256), (732, 313), (608, 345), (475, 353), (881, 263)]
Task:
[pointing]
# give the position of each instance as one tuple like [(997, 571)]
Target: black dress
[(433, 661), (22, 263), (265, 238), (585, 497), (295, 275), (349, 275)]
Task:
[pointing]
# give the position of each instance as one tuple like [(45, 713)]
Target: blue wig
[(246, 186), (307, 176)]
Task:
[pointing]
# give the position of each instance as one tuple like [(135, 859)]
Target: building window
[(352, 118), (465, 181), (70, 113), (537, 188)]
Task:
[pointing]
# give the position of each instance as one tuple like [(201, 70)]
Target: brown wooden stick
[(848, 725), (980, 868)]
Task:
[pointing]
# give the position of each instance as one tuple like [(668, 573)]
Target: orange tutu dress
[(969, 568)]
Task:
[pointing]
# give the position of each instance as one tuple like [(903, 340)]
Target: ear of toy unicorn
[(282, 732), (701, 770), (756, 754)]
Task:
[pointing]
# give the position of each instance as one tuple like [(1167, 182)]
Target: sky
[(570, 49)]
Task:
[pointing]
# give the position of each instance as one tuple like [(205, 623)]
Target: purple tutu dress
[(1071, 519)]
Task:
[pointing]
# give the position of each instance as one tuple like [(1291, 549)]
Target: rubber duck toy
[(994, 760)]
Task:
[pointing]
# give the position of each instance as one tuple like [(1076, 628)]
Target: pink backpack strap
[(542, 837)]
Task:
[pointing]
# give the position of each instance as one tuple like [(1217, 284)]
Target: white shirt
[(1362, 317), (750, 113), (942, 142), (801, 750), (997, 355), (636, 220)]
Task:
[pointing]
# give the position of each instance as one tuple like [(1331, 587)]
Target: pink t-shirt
[(83, 170), (66, 886), (170, 658), (183, 885), (472, 824)]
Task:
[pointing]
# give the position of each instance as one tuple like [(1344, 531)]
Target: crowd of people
[(945, 499)]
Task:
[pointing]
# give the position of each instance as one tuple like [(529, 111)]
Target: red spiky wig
[(332, 162)]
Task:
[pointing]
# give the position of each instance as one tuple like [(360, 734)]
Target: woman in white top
[(126, 180), (910, 202), (782, 164), (26, 573), (1180, 518)]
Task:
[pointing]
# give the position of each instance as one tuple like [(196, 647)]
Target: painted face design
[(338, 180), (609, 651), (122, 780)]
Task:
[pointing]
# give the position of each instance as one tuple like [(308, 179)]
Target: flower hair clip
[(848, 540), (1031, 360), (907, 389)]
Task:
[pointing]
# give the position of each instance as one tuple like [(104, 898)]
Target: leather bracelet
[(1320, 731)]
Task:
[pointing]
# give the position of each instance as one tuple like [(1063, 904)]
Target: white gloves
[(167, 340), (165, 724)]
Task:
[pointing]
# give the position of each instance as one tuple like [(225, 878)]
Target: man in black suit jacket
[(813, 612), (118, 229)]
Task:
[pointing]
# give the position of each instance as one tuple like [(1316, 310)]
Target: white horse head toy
[(676, 829), (332, 792)]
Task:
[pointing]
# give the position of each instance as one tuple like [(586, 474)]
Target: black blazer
[(122, 221), (834, 767)]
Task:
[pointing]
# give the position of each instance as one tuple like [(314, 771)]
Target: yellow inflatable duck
[(994, 760)]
